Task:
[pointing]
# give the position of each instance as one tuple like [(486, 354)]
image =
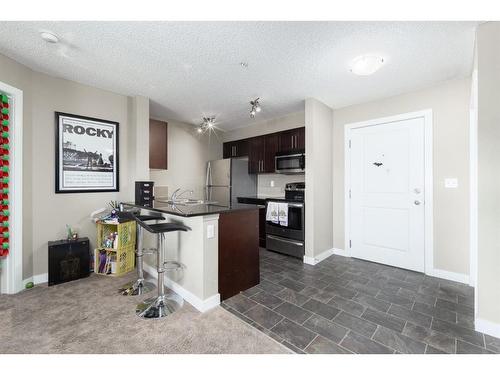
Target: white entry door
[(387, 177)]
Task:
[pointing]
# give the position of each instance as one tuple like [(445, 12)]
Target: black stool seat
[(149, 217), (166, 227)]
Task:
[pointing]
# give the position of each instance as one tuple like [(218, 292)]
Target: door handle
[(417, 203), (296, 243)]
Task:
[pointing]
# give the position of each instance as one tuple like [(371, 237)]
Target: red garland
[(4, 184)]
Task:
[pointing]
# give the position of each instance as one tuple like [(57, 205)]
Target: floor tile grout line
[(317, 335)]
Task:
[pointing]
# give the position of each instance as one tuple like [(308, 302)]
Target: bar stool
[(162, 305), (140, 286)]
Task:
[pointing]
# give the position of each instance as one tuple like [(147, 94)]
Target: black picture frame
[(60, 173)]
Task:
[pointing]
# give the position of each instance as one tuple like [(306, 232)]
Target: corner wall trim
[(485, 326), (448, 275), (199, 304), (319, 258), (37, 279)]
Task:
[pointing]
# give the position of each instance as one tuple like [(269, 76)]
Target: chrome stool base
[(159, 307), (136, 288)]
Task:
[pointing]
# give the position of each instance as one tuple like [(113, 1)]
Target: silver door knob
[(416, 203)]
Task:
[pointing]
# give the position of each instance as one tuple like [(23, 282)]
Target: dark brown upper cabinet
[(291, 140), (158, 144), (261, 151), (235, 149), (256, 155), (271, 147)]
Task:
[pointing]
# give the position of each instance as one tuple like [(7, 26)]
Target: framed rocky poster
[(87, 155)]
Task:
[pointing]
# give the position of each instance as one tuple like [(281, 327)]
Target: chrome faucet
[(177, 195)]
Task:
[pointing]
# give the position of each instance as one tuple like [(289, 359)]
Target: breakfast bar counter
[(220, 252)]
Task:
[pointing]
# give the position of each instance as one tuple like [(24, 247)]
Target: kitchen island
[(220, 252)]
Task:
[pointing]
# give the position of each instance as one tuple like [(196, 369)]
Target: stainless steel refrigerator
[(228, 179)]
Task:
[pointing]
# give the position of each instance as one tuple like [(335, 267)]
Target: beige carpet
[(88, 316)]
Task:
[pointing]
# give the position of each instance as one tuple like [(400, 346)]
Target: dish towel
[(283, 214), (272, 212)]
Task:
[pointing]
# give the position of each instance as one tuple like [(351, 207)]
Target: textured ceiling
[(192, 69)]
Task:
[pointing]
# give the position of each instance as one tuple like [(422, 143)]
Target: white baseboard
[(485, 326), (320, 257), (37, 279), (341, 252), (448, 275), (199, 304)]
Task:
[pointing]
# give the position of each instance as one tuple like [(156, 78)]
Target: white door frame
[(428, 183), (12, 271)]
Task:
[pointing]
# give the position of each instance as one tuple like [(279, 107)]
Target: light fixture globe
[(49, 37), (366, 65), (255, 107)]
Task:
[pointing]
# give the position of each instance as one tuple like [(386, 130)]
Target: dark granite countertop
[(193, 210), (256, 199)]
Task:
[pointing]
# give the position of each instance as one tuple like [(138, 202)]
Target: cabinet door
[(158, 144), (301, 138), (256, 155), (241, 148), (226, 150), (270, 150), (286, 140), (291, 140)]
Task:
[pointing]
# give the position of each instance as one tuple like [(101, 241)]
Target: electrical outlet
[(272, 183), (451, 183)]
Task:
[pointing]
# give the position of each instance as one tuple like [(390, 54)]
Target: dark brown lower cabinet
[(238, 251)]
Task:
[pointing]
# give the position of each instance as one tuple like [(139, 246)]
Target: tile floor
[(346, 305)]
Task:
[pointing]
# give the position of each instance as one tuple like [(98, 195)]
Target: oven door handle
[(295, 205), (285, 240), (299, 205)]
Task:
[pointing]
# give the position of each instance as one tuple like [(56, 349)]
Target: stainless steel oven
[(289, 239), (290, 162)]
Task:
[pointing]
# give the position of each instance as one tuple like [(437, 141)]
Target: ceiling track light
[(255, 107)]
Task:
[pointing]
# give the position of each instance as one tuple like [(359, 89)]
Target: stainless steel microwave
[(291, 162)]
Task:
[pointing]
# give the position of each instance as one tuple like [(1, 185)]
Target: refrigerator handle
[(208, 180)]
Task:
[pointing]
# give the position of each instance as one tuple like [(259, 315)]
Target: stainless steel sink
[(187, 202)]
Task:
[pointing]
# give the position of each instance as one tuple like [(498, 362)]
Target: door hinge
[(350, 244), (349, 193), (349, 143)]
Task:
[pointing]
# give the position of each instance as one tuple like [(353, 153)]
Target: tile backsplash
[(264, 187)]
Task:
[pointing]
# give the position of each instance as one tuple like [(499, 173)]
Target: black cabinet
[(261, 150), (256, 154), (235, 149), (68, 260), (291, 140)]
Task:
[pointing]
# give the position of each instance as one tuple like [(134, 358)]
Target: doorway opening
[(11, 272)]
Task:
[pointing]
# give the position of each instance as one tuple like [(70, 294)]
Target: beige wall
[(291, 121), (318, 177), (188, 154), (46, 213), (488, 261), (449, 102)]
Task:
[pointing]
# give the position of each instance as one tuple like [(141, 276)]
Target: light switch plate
[(210, 231), (451, 183)]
